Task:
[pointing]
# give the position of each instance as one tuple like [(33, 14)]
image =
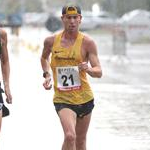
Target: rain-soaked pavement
[(123, 98), (120, 119)]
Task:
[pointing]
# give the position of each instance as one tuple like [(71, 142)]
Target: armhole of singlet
[(81, 41), (57, 38)]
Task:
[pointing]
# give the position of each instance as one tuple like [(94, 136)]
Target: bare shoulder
[(48, 43), (49, 40), (88, 42)]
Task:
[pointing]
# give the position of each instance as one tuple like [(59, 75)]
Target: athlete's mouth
[(72, 26)]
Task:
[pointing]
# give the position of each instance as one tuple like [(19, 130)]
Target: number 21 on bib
[(68, 78)]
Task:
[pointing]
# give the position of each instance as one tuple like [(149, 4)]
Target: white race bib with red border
[(68, 78)]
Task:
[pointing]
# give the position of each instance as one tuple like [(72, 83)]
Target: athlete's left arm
[(91, 55), (5, 66)]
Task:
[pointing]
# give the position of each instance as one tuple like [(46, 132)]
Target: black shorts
[(81, 110), (3, 108)]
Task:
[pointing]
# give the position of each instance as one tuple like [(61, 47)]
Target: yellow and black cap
[(71, 10)]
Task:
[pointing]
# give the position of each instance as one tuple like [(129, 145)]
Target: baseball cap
[(71, 10)]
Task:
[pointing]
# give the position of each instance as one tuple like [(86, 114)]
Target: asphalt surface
[(123, 103)]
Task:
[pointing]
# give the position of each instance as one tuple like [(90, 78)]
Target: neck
[(68, 39), (70, 35)]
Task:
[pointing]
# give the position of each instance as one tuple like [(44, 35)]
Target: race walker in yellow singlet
[(70, 84)]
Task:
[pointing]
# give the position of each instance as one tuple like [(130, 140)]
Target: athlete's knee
[(70, 137)]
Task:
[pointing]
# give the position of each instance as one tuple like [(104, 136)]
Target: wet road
[(123, 103), (120, 119)]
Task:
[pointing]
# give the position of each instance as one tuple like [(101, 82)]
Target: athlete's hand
[(8, 95), (47, 83), (83, 66)]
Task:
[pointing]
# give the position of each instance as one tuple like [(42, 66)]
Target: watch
[(45, 74)]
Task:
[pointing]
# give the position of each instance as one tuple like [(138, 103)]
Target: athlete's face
[(71, 22)]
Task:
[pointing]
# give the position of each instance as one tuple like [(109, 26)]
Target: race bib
[(68, 78)]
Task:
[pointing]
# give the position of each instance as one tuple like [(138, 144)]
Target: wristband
[(45, 74)]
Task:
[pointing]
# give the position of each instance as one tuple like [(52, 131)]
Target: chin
[(73, 29)]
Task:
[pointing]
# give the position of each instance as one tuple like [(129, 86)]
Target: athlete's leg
[(82, 126), (0, 118), (68, 121)]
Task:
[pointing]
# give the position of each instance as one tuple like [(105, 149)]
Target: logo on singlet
[(56, 52), (64, 58)]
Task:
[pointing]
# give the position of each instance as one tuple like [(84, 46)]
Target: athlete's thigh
[(82, 126), (0, 118), (68, 119)]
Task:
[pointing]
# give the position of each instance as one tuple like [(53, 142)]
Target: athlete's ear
[(80, 18), (62, 17)]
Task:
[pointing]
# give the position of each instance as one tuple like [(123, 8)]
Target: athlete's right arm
[(48, 43)]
